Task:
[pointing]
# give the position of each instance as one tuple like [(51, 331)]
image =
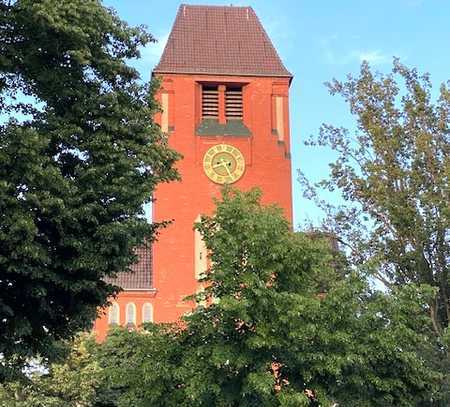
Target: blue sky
[(318, 40)]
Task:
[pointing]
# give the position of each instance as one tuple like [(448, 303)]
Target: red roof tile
[(219, 40), (140, 276)]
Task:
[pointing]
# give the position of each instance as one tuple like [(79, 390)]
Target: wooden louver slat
[(233, 103), (210, 102)]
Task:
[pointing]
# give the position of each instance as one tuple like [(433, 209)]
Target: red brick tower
[(224, 101)]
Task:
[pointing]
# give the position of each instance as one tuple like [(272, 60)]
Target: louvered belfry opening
[(222, 110), (210, 102), (233, 103)]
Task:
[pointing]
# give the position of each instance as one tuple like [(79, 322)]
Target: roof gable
[(219, 40)]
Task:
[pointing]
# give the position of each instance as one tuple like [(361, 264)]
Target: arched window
[(131, 314), (147, 312), (114, 314)]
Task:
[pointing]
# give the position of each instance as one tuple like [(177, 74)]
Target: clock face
[(223, 164)]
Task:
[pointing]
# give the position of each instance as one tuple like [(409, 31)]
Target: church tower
[(224, 99)]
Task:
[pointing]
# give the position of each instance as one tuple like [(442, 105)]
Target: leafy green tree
[(287, 326), (140, 368), (71, 383), (284, 324), (79, 156), (393, 174)]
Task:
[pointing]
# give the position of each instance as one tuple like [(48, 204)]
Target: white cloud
[(372, 57), (333, 56)]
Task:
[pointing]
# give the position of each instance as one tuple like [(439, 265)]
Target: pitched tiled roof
[(219, 40), (140, 278)]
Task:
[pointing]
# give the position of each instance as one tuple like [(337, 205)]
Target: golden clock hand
[(228, 170), (225, 164)]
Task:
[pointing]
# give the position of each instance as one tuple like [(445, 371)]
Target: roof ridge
[(212, 6)]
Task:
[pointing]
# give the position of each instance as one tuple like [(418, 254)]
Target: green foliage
[(140, 367), (73, 383), (280, 328), (393, 174), (277, 299), (75, 170)]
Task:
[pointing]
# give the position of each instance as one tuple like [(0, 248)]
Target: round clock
[(223, 164)]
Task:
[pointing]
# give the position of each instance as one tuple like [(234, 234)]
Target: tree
[(141, 368), (79, 156), (289, 324), (284, 324), (72, 382), (393, 174)]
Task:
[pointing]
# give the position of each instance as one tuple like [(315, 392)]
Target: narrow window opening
[(147, 313), (131, 314), (113, 316), (233, 103), (210, 102)]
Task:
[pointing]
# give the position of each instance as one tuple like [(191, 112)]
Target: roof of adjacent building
[(140, 276), (220, 40)]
